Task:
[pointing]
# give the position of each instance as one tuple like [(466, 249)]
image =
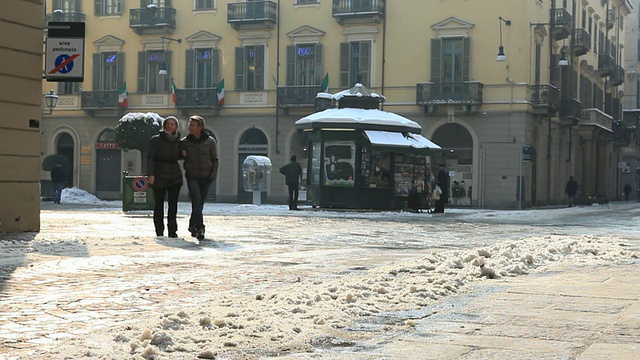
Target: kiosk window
[(314, 172), (339, 159)]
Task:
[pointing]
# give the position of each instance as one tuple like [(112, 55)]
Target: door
[(108, 174), (252, 142)]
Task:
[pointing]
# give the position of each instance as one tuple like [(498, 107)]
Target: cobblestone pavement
[(89, 270)]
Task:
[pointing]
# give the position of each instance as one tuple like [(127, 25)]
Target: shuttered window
[(355, 63), (107, 7), (202, 68), (249, 72), (149, 64), (450, 60), (205, 4), (158, 3), (108, 70), (304, 65)]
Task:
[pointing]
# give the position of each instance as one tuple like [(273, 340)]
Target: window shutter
[(97, 7), (119, 7), (97, 66), (189, 77), (365, 64), (436, 60), (259, 74), (344, 65), (240, 61), (142, 71), (57, 4), (466, 64), (167, 3), (215, 62), (554, 76), (144, 3), (167, 78), (291, 65), (318, 65), (120, 69)]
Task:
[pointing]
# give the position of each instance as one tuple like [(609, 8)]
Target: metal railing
[(545, 94), (617, 75), (562, 23), (252, 11), (197, 98), (580, 42), (65, 17), (96, 100), (570, 108), (292, 96), (467, 93), (152, 17), (358, 7)]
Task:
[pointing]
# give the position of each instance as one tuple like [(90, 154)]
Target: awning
[(396, 139)]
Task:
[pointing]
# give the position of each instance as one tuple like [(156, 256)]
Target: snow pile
[(157, 119), (78, 196), (293, 315)]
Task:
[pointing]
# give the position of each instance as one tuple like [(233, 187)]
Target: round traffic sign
[(140, 183), (66, 67)]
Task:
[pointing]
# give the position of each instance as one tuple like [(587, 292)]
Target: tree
[(134, 131), (51, 160)]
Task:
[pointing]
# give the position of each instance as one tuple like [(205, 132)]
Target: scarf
[(172, 137)]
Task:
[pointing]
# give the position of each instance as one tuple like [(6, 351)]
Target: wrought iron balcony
[(545, 99), (613, 108), (562, 23), (197, 98), (611, 18), (152, 20), (298, 96), (255, 14), (571, 109), (580, 42), (617, 76), (64, 17), (468, 93), (371, 10), (595, 117), (99, 100), (605, 64)]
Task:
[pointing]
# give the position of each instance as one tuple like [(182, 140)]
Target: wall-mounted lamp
[(163, 65), (501, 55), (51, 99), (563, 58)]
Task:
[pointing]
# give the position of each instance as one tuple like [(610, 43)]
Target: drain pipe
[(277, 77), (384, 48)]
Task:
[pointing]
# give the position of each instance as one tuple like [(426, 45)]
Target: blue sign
[(305, 51), (67, 66)]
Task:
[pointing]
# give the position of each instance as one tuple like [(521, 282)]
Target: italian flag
[(174, 91), (325, 83), (122, 95), (220, 90)]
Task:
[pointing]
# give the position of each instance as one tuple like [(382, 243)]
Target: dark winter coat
[(572, 188), (292, 172), (442, 180), (58, 174), (162, 160), (201, 160)]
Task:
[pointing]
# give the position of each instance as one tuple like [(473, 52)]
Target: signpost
[(64, 57)]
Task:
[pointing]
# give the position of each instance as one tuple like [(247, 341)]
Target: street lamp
[(51, 99), (163, 65), (501, 55)]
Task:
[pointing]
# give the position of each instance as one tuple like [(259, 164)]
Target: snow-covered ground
[(268, 281)]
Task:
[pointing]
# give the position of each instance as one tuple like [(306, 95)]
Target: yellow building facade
[(512, 130), (20, 98)]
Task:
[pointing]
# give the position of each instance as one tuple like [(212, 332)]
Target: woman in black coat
[(165, 175), (442, 180)]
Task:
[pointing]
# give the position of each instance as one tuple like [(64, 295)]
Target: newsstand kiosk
[(362, 157)]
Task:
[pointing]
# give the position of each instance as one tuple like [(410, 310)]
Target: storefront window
[(376, 169), (339, 160), (314, 176), (409, 170)]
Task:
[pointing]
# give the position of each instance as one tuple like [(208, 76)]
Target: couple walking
[(200, 155)]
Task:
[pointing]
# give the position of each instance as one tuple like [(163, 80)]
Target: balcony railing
[(65, 17), (605, 64), (571, 108), (196, 98), (252, 13), (562, 23), (161, 18), (351, 9), (298, 96), (99, 100), (545, 99), (468, 93), (611, 18), (617, 75), (580, 42), (613, 107), (595, 117)]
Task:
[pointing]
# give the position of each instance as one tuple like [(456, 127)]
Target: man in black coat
[(442, 181), (292, 176), (571, 189), (59, 180)]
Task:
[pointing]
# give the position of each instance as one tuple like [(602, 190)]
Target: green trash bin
[(136, 193)]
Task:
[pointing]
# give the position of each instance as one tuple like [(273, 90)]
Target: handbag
[(435, 195)]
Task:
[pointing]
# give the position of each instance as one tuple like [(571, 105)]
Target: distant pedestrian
[(626, 191), (292, 176), (59, 180), (165, 175), (201, 169), (442, 181), (571, 189)]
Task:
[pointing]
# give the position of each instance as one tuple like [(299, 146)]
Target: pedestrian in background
[(442, 181), (201, 169), (59, 181), (571, 189), (165, 175), (292, 176), (626, 191)]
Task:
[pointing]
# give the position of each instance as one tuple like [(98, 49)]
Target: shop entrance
[(65, 147), (108, 166), (252, 142), (457, 156)]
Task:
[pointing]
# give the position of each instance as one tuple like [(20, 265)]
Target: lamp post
[(501, 55), (51, 99), (163, 65)]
